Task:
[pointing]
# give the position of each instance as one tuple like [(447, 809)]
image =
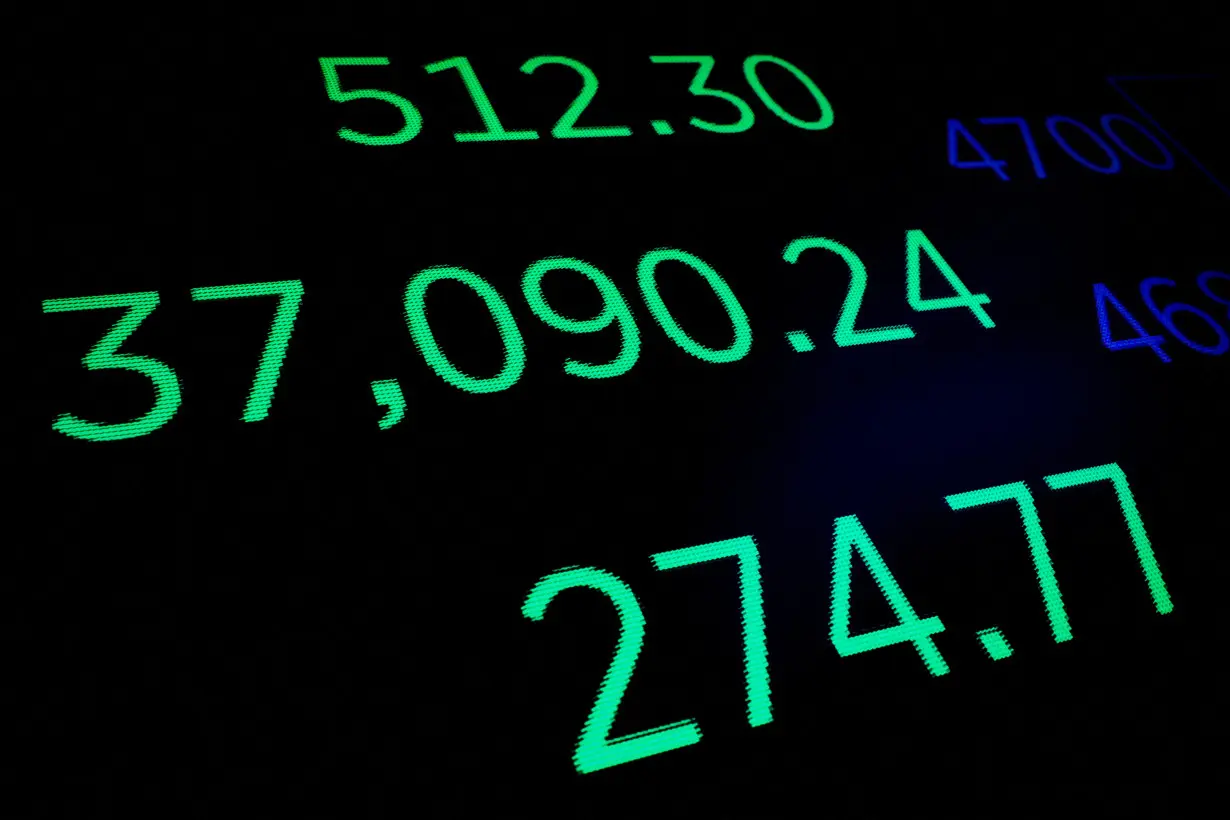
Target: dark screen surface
[(307, 615)]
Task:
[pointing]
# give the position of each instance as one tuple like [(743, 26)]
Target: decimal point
[(662, 127), (800, 341), (994, 642)]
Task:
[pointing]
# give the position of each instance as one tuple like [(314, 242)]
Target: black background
[(307, 616)]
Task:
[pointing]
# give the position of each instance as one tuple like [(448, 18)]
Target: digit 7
[(1019, 493), (755, 654), (1029, 139), (290, 294), (1140, 539)]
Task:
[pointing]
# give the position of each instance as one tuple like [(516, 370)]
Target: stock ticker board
[(625, 410)]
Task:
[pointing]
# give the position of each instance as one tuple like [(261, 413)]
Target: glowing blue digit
[(955, 129), (1202, 281), (1164, 165), (1102, 294), (1163, 316), (1019, 122), (1112, 168)]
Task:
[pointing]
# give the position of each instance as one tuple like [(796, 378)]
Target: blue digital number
[(1202, 281), (1101, 295), (955, 128), (1112, 168), (1163, 316), (1165, 165), (1030, 146)]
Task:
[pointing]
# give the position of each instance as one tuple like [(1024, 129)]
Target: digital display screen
[(620, 410)]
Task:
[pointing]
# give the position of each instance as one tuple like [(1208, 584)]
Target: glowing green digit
[(849, 536), (826, 110), (755, 654), (595, 750), (705, 62), (916, 241), (420, 331), (844, 334), (646, 270), (290, 295), (614, 309), (1136, 526), (333, 90), (103, 356), (564, 128), (1024, 499), (495, 129)]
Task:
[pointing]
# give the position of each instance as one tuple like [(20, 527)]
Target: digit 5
[(333, 88)]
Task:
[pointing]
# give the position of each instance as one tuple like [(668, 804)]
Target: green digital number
[(844, 334), (826, 111), (755, 653), (848, 537), (420, 331), (646, 272), (705, 62), (333, 88), (595, 748), (917, 243), (565, 127), (103, 356), (495, 129), (290, 296), (614, 309), (1131, 515), (1018, 493)]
